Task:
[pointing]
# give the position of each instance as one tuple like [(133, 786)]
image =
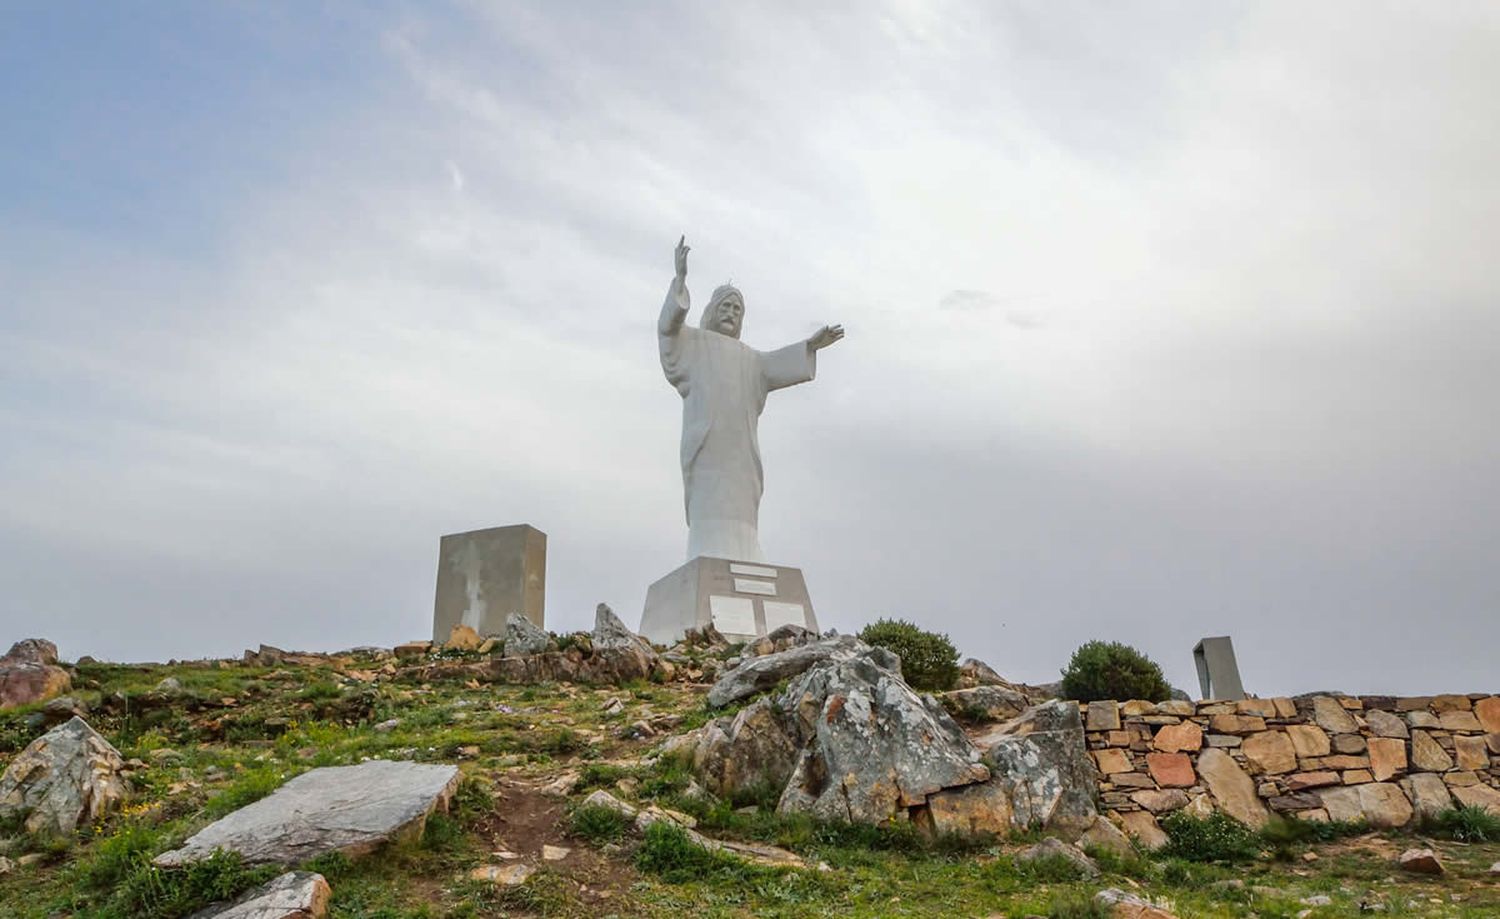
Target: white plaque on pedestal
[(779, 614), (748, 586), (732, 615)]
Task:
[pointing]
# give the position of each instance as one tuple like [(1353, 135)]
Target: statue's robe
[(723, 383)]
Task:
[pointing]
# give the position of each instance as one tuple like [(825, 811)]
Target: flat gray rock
[(349, 809), (294, 895)]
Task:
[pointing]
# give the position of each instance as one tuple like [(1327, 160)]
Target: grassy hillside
[(231, 733)]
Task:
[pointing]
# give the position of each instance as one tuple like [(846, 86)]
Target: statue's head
[(725, 312)]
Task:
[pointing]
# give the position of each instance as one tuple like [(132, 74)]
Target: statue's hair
[(720, 293)]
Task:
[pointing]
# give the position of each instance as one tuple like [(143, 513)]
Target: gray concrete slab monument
[(1218, 674), (484, 575), (724, 383)]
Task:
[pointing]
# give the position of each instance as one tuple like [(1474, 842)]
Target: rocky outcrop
[(848, 740), (66, 777), (871, 747), (984, 703), (759, 674), (348, 809), (1041, 761), (294, 895), (29, 673), (524, 638)]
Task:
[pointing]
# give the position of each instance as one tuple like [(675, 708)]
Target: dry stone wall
[(1387, 760)]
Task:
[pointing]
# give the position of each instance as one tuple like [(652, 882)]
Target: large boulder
[(984, 703), (524, 638), (759, 674), (871, 746), (1040, 760), (294, 895), (29, 673), (69, 775), (611, 633), (755, 748), (348, 809)]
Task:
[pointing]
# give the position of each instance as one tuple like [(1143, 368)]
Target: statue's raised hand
[(680, 257), (825, 337)]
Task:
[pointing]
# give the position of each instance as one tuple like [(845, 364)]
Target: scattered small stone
[(1309, 856), (614, 707), (294, 895), (6, 865), (31, 858), (554, 853), (1421, 861), (390, 725), (562, 785), (503, 875), (1317, 900), (1052, 847)]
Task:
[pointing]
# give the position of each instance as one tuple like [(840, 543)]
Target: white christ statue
[(723, 383)]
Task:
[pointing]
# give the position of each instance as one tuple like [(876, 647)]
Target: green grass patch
[(1466, 824), (597, 824), (1218, 837)]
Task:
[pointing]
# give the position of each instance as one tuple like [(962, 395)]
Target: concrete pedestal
[(743, 600), (485, 575)]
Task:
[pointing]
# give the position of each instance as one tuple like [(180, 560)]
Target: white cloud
[(1222, 361)]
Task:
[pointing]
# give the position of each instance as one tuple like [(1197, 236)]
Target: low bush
[(1466, 824), (597, 824), (668, 853), (1215, 838), (928, 659), (1111, 670)]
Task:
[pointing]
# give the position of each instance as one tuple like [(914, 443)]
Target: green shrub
[(1111, 670), (668, 853), (1217, 837), (247, 789), (928, 659), (1077, 906), (597, 824), (1467, 824), (149, 892)]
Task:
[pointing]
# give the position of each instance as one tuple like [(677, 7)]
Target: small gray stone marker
[(1218, 674)]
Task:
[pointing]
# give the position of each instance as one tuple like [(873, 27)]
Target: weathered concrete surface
[(68, 776), (484, 575), (349, 809), (294, 895), (29, 673)]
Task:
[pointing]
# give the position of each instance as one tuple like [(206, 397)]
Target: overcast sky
[(1164, 320)]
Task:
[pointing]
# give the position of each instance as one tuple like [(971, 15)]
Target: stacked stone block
[(1389, 761)]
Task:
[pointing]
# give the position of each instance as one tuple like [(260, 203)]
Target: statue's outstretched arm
[(675, 309), (825, 337)]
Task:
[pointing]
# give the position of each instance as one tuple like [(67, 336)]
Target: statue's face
[(729, 315)]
